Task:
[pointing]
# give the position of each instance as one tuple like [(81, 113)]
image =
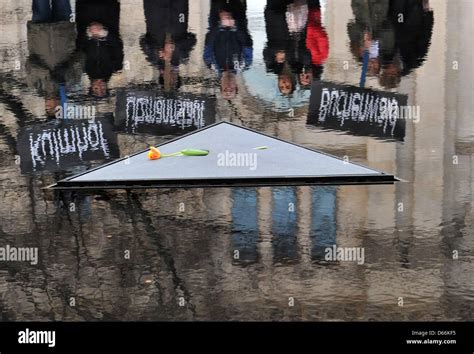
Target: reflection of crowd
[(389, 37)]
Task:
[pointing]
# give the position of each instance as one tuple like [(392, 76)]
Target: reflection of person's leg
[(314, 4), (61, 10), (41, 11)]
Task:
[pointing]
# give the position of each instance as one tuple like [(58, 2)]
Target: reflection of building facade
[(190, 253)]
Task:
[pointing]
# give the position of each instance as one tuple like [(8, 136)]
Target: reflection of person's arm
[(209, 49), (208, 55), (317, 40), (248, 56)]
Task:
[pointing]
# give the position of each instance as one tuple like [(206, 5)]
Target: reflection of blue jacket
[(228, 49)]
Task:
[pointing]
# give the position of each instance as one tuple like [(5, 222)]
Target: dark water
[(315, 73)]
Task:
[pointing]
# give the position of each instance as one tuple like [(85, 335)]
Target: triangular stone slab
[(232, 161)]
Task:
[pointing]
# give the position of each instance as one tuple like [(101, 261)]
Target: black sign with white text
[(57, 145), (158, 113), (359, 111)]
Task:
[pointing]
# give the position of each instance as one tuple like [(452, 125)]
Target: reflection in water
[(244, 225), (99, 39), (324, 223), (390, 37), (228, 46), (64, 144), (53, 64), (237, 253), (162, 114), (359, 111), (167, 42), (284, 224), (297, 43)]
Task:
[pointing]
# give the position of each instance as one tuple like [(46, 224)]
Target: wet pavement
[(387, 84)]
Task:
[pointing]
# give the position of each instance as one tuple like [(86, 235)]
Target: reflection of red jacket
[(316, 37)]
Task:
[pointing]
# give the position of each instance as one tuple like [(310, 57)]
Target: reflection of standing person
[(371, 33), (297, 43), (286, 54), (52, 63), (390, 37), (167, 42), (228, 44), (413, 23), (99, 39)]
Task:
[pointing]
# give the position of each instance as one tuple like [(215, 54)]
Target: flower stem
[(173, 154)]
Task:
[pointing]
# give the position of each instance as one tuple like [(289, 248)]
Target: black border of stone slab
[(379, 178)]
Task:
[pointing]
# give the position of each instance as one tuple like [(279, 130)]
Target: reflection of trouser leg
[(41, 11), (61, 10), (323, 226), (245, 225), (284, 223)]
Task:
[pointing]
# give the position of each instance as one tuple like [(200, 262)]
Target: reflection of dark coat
[(238, 8), (372, 16), (228, 48), (280, 39), (52, 56), (167, 17), (401, 27), (103, 57), (413, 35)]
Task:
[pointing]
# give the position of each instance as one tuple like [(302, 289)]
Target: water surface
[(152, 71)]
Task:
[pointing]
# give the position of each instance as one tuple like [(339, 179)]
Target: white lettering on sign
[(55, 143), (182, 113)]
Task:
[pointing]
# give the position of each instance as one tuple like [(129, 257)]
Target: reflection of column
[(323, 220), (13, 43), (218, 204), (245, 224), (132, 27), (429, 133), (459, 179), (284, 224), (16, 215), (337, 15), (264, 226), (425, 141), (381, 198), (303, 209), (458, 49), (352, 213), (198, 24)]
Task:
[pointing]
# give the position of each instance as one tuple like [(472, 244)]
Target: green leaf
[(261, 148), (194, 152)]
